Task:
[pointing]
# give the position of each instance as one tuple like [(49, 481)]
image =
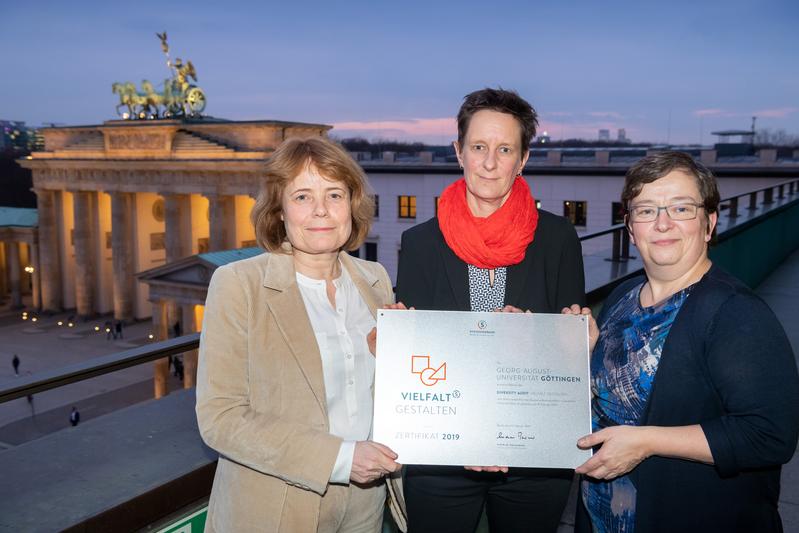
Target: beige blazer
[(261, 396)]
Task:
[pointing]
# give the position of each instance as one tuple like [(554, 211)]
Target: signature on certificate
[(517, 436)]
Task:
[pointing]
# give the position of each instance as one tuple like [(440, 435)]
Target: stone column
[(189, 358), (222, 223), (160, 366), (36, 291), (177, 222), (49, 257), (177, 225), (12, 261), (84, 240), (122, 254)]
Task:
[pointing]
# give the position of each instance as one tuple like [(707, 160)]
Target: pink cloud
[(605, 114), (419, 127), (781, 112), (713, 112)]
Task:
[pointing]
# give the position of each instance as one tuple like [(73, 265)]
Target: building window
[(617, 214), (371, 251), (377, 205), (108, 240), (407, 206), (437, 199), (576, 211)]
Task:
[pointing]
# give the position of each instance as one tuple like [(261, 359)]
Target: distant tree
[(767, 137)]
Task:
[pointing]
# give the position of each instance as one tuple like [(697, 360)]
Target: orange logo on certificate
[(420, 364)]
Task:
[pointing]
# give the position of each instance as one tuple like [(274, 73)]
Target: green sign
[(194, 523)]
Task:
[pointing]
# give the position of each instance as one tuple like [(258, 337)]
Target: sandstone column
[(189, 358), (177, 222), (12, 261), (160, 366), (83, 234), (49, 257), (36, 291), (222, 222), (122, 250)]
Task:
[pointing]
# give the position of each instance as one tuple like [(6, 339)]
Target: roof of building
[(726, 133), (228, 256), (19, 217)]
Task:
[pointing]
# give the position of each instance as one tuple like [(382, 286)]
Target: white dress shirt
[(347, 363)]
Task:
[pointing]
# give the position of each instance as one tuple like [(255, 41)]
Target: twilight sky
[(668, 71)]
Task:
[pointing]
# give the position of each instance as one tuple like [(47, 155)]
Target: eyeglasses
[(650, 213)]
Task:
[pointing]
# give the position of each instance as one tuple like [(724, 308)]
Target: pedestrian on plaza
[(118, 329), (74, 417), (109, 330), (15, 364), (30, 402), (178, 368), (177, 329)]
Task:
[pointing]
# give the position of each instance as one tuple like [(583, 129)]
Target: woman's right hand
[(371, 461), (593, 329)]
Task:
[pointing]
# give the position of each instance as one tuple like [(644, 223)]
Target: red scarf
[(498, 240)]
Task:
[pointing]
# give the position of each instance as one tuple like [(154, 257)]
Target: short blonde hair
[(332, 162)]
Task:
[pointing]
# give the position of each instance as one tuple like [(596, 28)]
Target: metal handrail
[(54, 378), (620, 250), (58, 377)]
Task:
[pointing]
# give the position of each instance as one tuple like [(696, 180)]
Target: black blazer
[(727, 365), (430, 275)]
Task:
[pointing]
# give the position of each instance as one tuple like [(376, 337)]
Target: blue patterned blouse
[(623, 368)]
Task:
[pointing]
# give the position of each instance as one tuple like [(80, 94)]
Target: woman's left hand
[(371, 337), (623, 448)]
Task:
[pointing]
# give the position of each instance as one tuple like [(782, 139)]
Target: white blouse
[(347, 363)]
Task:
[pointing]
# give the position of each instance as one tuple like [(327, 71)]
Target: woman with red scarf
[(490, 249)]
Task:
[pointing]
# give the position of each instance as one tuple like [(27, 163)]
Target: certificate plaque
[(463, 388)]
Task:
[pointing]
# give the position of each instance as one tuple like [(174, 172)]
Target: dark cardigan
[(728, 366), (430, 275)]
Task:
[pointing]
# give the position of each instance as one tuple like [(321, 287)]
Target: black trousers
[(442, 499)]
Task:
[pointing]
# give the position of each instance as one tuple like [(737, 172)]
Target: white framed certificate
[(464, 388)]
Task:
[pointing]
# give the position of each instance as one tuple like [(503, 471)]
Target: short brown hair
[(655, 166), (501, 101), (285, 164)]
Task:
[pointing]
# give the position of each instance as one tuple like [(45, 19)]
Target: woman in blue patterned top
[(696, 394)]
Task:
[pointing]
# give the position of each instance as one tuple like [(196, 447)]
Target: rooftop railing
[(163, 481)]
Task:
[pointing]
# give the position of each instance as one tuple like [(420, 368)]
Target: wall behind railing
[(751, 251)]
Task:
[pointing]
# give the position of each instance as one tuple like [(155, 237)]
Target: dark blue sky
[(664, 71)]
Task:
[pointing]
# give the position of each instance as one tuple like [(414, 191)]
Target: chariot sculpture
[(179, 97)]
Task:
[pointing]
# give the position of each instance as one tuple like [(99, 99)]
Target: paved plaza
[(44, 344)]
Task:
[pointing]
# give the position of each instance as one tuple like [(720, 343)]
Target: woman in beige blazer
[(285, 378)]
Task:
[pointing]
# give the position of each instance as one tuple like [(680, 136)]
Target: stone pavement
[(44, 345)]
